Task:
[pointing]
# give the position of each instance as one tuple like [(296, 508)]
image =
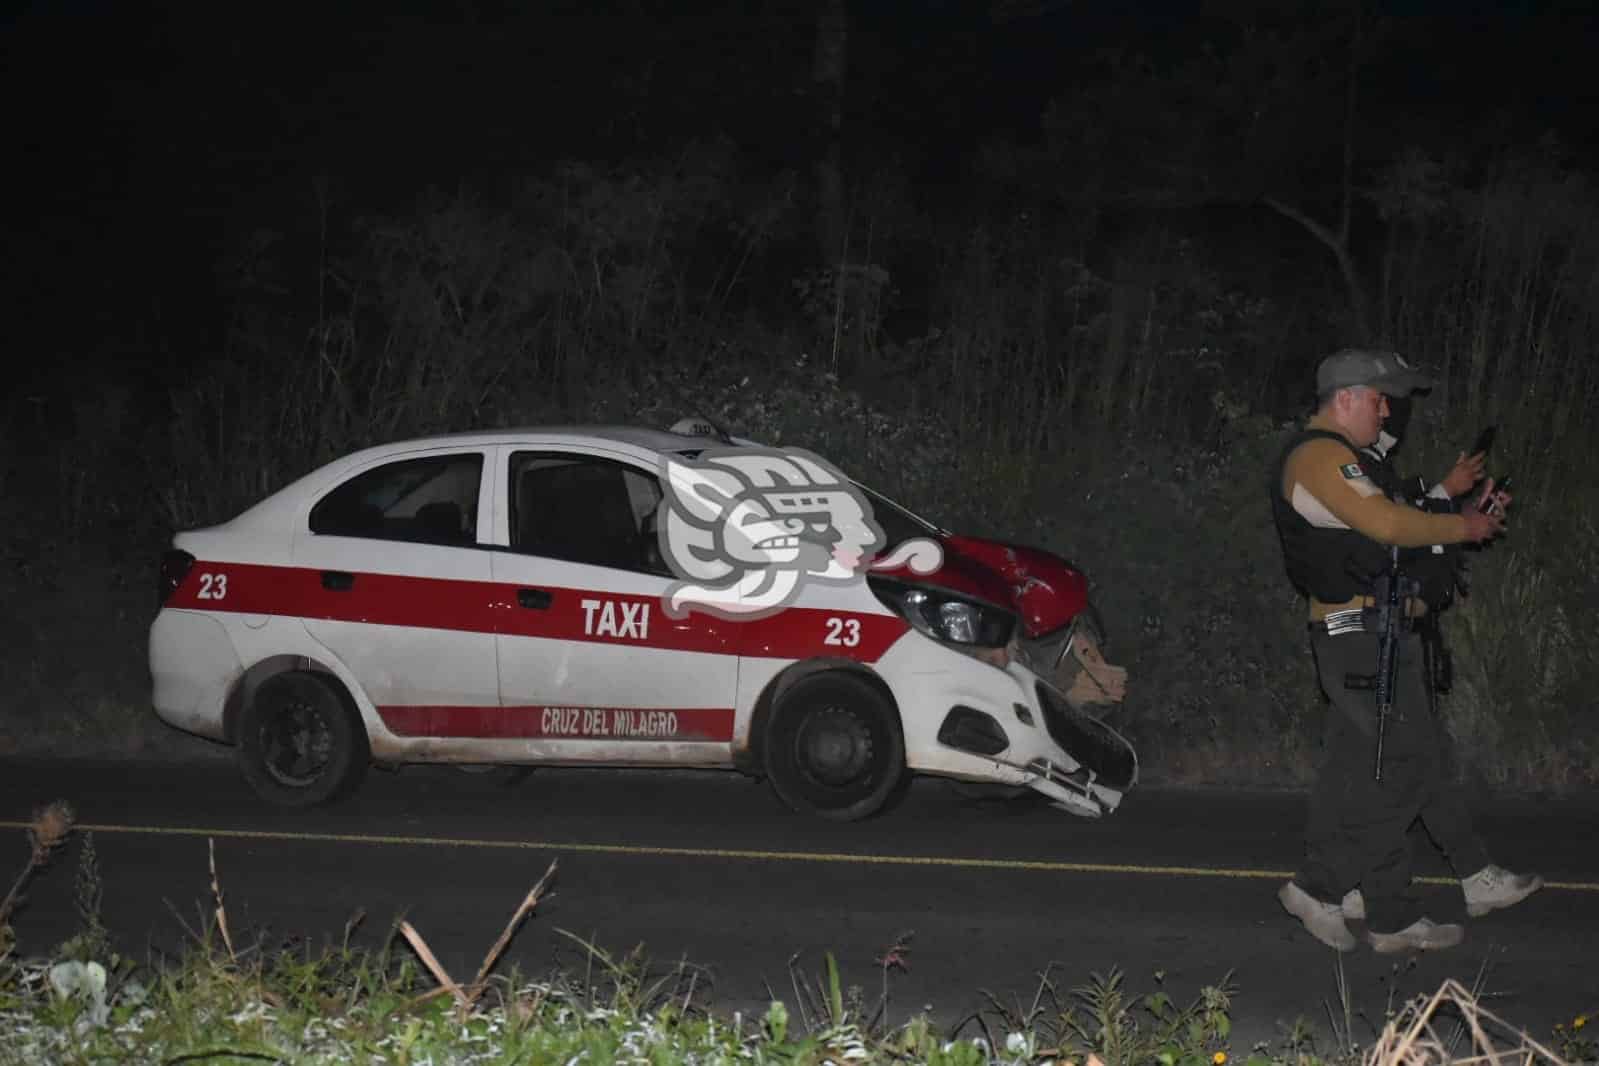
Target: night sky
[(150, 138)]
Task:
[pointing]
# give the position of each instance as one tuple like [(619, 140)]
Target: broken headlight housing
[(1055, 655), (946, 616)]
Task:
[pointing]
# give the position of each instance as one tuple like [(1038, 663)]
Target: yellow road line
[(843, 858)]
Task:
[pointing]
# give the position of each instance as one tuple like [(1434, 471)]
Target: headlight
[(946, 616)]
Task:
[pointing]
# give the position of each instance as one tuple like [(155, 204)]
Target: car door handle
[(337, 580), (537, 599)]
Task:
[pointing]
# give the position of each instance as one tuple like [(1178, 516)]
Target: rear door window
[(582, 509), (432, 500)]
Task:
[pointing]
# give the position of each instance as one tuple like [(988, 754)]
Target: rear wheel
[(833, 747), (299, 745)]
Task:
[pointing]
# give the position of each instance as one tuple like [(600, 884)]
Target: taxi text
[(611, 618)]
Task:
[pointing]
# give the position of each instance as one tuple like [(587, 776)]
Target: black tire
[(299, 744), (833, 747)]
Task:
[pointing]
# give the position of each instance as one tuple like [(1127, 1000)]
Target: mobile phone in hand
[(1485, 440)]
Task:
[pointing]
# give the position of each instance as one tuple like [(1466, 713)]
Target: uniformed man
[(1485, 885), (1337, 527)]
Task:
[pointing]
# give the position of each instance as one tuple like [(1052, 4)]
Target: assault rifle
[(1391, 589)]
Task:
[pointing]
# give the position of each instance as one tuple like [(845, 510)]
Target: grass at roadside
[(229, 1000)]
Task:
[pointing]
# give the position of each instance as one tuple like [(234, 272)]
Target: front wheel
[(833, 747), (298, 744)]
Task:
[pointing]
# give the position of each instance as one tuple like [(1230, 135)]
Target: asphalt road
[(709, 868)]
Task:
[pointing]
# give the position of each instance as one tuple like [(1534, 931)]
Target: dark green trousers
[(1358, 832)]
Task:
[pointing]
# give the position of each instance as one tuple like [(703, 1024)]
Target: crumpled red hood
[(1044, 590)]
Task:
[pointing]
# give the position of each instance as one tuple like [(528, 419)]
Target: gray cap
[(1384, 371)]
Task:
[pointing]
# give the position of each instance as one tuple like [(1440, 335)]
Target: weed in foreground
[(1416, 1036), (1578, 1042), (49, 829), (1101, 1020)]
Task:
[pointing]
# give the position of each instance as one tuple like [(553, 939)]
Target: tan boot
[(1494, 887), (1324, 921), (1423, 934)]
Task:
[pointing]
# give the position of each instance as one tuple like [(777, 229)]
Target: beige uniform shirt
[(1323, 482)]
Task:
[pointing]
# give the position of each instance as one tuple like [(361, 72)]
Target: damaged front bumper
[(1006, 721), (1099, 767), (1012, 728), (1079, 763), (1089, 766), (1075, 677)]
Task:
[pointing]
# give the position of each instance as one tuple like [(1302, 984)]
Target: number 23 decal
[(843, 632), (213, 587)]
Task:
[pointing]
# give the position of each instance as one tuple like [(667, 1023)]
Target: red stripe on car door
[(806, 632), (617, 618), (379, 599)]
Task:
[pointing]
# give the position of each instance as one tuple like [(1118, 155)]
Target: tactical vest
[(1332, 565)]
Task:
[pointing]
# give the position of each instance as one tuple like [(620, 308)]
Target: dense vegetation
[(1055, 272), (1111, 391)]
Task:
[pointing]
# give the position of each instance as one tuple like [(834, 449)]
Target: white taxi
[(501, 598)]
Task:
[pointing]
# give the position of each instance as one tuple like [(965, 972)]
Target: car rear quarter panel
[(193, 668)]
